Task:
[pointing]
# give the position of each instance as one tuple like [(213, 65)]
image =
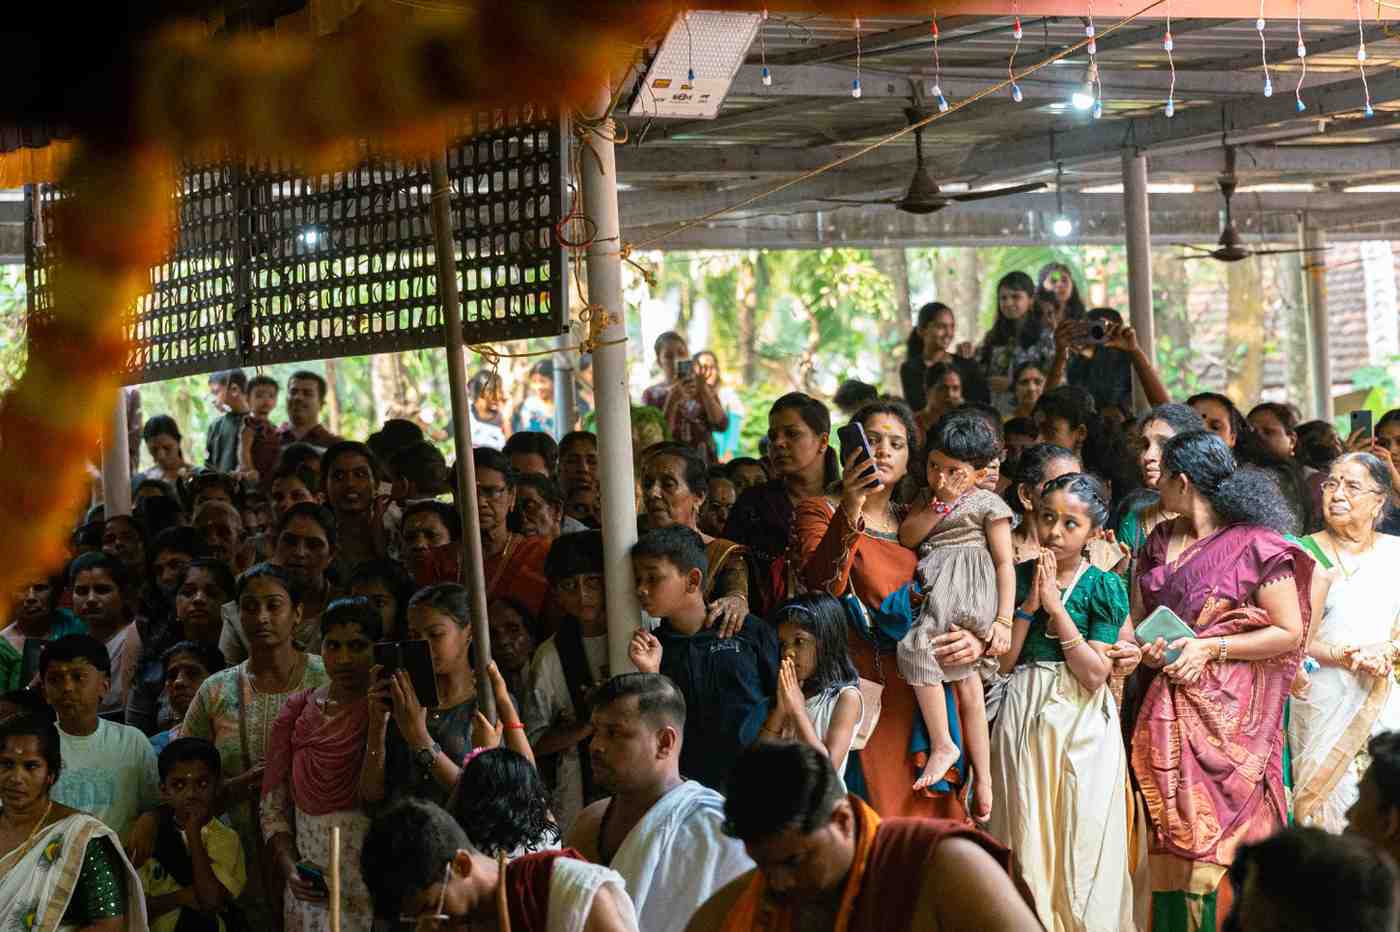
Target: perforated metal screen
[(272, 265)]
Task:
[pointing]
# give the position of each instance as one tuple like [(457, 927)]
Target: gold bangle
[(1001, 620), (1066, 646)]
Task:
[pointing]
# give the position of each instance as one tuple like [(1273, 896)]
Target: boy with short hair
[(101, 599), (726, 681), (565, 671), (198, 880), (109, 770), (258, 443)]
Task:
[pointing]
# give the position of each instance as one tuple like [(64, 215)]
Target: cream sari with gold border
[(37, 880)]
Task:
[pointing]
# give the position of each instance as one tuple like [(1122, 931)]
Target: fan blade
[(1285, 252), (997, 192), (1189, 258), (858, 203), (1189, 246)]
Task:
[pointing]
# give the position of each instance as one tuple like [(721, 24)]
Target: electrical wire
[(1168, 45), (1016, 33), (1264, 51), (938, 65), (1302, 58), (855, 85), (1361, 62)]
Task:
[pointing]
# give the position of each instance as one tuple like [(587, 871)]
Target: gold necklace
[(40, 824), (1337, 555)]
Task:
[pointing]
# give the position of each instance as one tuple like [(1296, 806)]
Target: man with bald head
[(664, 834), (221, 526)]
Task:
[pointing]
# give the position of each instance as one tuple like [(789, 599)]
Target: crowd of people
[(1003, 652)]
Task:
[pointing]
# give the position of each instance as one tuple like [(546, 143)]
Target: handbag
[(870, 690)]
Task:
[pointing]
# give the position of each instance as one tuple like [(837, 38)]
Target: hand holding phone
[(854, 444), (414, 658), (1362, 424), (685, 369)]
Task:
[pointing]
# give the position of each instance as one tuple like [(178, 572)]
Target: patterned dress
[(238, 719), (957, 573)]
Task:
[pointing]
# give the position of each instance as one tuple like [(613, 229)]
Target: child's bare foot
[(940, 759)]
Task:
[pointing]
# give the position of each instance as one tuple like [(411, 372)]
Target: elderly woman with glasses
[(1351, 696)]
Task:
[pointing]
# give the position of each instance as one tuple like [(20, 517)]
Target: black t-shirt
[(974, 382), (221, 443), (727, 683), (1107, 375)]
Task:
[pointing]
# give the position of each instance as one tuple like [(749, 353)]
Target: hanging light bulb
[(1098, 109), (1016, 93), (1061, 225), (1083, 97), (1268, 87), (767, 76), (1016, 32), (1171, 108), (1167, 43), (855, 88)]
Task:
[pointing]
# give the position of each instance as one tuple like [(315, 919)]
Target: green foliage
[(13, 348)]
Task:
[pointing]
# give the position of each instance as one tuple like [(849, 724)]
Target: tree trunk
[(957, 283), (389, 387), (1294, 311), (332, 398), (748, 317), (1244, 332), (893, 325)]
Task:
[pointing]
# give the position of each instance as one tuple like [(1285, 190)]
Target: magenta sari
[(1208, 757), (320, 757)]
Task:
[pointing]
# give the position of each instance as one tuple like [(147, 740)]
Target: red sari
[(833, 556)]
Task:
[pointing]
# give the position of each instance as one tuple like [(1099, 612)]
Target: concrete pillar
[(1136, 216), (116, 461), (611, 401), (1315, 270), (565, 391)]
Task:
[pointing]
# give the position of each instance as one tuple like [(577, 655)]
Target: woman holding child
[(847, 544)]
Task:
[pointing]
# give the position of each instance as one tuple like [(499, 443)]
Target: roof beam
[(874, 44), (1108, 138), (1310, 160), (1123, 39), (1288, 52)]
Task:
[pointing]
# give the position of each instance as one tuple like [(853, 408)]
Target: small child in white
[(966, 568)]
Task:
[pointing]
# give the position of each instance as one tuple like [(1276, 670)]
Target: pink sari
[(320, 756), (1208, 757)]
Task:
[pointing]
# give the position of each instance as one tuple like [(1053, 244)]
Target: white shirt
[(110, 774)]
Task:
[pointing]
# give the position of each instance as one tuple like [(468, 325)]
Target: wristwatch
[(424, 757)]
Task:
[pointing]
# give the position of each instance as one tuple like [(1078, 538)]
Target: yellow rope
[(865, 150)]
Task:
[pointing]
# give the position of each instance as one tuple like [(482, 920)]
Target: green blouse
[(101, 889), (1098, 606), (1314, 550)]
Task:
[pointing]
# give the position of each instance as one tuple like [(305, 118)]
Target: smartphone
[(1362, 421), (685, 368), (852, 437), (416, 659), (313, 875)]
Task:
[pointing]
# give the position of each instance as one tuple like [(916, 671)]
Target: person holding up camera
[(691, 408), (1100, 355)]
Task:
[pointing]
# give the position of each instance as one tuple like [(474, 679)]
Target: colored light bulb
[(1369, 111), (1361, 53), (1259, 24), (1089, 30), (1167, 43), (1171, 107), (1093, 48), (1016, 93), (942, 104), (1016, 32), (1098, 109), (767, 76), (1301, 106), (1302, 50), (1268, 88), (855, 88)]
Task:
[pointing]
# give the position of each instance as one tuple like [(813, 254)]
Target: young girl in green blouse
[(1057, 756)]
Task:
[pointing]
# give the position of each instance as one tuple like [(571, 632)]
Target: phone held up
[(852, 437), (685, 368), (1361, 421), (313, 875), (416, 658)]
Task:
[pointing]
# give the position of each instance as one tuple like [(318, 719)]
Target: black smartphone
[(1362, 421), (416, 659), (852, 437), (313, 875), (685, 368)]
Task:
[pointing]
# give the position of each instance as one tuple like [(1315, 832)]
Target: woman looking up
[(1027, 384), (1207, 746), (1350, 696)]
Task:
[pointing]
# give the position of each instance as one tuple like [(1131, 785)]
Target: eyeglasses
[(1352, 488), (438, 917)]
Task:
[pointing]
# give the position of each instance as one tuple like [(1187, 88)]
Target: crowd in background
[(1005, 611)]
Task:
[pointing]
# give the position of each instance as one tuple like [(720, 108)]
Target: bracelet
[(1002, 620), (1023, 615), (520, 725), (1223, 653), (1334, 650), (1067, 646)]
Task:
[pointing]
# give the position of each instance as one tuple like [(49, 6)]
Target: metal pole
[(116, 461), (1316, 267), (473, 575), (565, 392), (1139, 233), (617, 483)]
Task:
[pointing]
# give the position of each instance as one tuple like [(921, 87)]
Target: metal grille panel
[(274, 265)]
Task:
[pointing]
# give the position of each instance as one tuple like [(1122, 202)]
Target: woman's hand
[(301, 889), (247, 785), (1373, 661), (1121, 337), (999, 641), (1195, 654), (1382, 454), (958, 647), (409, 714), (1155, 654), (645, 651), (140, 841), (857, 484), (484, 734), (729, 613), (1125, 657), (1301, 685)]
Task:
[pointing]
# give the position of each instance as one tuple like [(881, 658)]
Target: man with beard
[(827, 861), (662, 833), (306, 393)]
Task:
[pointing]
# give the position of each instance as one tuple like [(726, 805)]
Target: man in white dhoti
[(662, 833), (420, 867)]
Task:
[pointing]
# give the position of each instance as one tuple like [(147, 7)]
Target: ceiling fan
[(922, 195), (1231, 247)]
